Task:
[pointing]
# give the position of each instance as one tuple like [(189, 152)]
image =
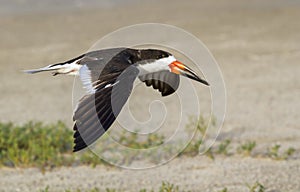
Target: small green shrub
[(90, 158), (168, 187), (131, 140), (48, 146), (35, 144), (39, 145), (247, 148), (223, 147), (224, 190), (257, 187), (192, 149), (274, 153), (46, 189), (289, 152), (107, 190)]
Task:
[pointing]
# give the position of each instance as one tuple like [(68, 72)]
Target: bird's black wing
[(165, 81), (97, 111)]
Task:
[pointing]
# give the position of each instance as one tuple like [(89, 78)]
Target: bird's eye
[(160, 56)]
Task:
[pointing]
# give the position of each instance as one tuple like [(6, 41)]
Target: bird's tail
[(70, 67), (47, 68), (60, 68)]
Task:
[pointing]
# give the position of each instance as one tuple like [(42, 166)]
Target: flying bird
[(108, 76)]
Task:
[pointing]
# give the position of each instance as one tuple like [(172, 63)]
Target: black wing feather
[(165, 81), (97, 112)]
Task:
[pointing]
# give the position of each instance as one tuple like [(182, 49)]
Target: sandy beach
[(256, 45)]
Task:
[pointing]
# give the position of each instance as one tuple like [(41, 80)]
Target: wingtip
[(77, 148), (32, 71), (77, 137), (28, 71)]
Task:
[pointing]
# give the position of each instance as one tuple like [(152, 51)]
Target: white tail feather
[(47, 68), (67, 68)]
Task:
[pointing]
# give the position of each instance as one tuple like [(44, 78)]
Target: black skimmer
[(108, 76)]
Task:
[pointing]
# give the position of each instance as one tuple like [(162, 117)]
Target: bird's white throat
[(156, 66)]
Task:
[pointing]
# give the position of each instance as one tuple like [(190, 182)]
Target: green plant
[(199, 123), (89, 158), (107, 190), (48, 146), (132, 140), (257, 187), (223, 147), (273, 152), (224, 190), (289, 152), (209, 153), (35, 144), (247, 148), (90, 190), (46, 189), (39, 145), (192, 149), (168, 187), (144, 190)]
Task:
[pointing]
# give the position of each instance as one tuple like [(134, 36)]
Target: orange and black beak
[(181, 69)]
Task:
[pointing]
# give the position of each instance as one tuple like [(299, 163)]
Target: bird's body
[(108, 77)]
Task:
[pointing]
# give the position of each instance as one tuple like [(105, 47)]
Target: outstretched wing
[(165, 81), (97, 111)]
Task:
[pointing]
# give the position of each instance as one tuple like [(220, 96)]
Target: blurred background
[(256, 44)]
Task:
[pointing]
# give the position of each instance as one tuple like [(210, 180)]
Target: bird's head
[(158, 60)]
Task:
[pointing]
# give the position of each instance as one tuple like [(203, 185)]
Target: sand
[(255, 43)]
